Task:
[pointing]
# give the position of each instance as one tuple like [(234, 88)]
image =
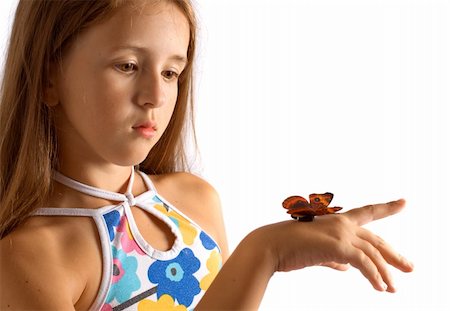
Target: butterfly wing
[(299, 208), (320, 201), (332, 210), (297, 204)]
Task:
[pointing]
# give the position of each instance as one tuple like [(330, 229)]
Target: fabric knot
[(130, 198)]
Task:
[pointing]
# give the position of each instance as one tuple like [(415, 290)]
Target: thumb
[(335, 265)]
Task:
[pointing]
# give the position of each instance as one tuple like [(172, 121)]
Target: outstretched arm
[(332, 240)]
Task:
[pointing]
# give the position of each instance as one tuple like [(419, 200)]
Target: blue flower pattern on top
[(136, 276), (207, 242), (175, 277), (144, 276), (112, 220)]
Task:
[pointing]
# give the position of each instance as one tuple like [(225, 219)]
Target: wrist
[(258, 243), (245, 276)]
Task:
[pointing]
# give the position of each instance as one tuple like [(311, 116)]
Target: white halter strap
[(97, 192)]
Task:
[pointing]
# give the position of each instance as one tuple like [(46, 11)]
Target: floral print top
[(135, 275)]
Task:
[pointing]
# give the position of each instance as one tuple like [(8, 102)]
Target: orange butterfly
[(299, 208)]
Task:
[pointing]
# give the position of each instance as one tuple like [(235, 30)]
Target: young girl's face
[(117, 86)]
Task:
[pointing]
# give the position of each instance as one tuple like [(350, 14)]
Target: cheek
[(105, 100), (164, 112), (168, 111)]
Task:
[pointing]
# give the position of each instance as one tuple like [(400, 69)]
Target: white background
[(350, 97)]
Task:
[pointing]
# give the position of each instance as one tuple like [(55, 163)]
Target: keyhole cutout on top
[(154, 231), (157, 233)]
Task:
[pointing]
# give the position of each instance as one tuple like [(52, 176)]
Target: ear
[(51, 97)]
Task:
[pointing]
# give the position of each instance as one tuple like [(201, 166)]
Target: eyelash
[(129, 68), (122, 67), (174, 75)]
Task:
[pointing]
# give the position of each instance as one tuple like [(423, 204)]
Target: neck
[(109, 177)]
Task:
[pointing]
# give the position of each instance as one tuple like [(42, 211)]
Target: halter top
[(135, 276)]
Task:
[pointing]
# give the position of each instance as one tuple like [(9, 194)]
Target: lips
[(147, 129)]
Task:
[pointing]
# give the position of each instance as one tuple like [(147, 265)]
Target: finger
[(368, 213), (335, 265), (389, 254), (378, 260), (359, 260)]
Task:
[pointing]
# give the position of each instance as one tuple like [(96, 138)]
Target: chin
[(130, 155), (135, 161), (130, 158)]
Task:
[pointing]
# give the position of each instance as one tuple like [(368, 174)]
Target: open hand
[(337, 241)]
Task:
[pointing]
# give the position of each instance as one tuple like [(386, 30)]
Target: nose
[(151, 90)]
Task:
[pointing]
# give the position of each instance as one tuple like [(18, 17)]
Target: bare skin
[(100, 93), (333, 240), (40, 263)]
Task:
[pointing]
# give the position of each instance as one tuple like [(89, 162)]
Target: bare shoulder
[(196, 198), (43, 261), (30, 267), (188, 189)]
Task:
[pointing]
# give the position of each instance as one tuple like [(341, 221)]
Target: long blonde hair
[(41, 32)]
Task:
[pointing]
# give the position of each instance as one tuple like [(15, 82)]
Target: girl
[(96, 209)]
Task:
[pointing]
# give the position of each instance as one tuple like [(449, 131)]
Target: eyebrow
[(176, 57)]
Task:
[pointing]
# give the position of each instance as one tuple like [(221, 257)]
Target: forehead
[(154, 25), (165, 12)]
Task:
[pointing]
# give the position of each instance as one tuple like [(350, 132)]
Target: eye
[(127, 67), (170, 75)]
